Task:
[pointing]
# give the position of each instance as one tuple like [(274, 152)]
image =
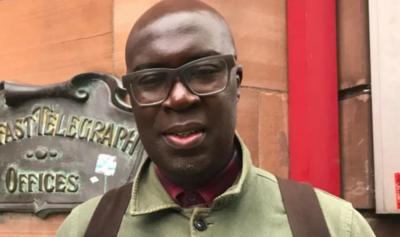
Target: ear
[(238, 78)]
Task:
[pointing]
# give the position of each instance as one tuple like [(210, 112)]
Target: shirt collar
[(212, 189)]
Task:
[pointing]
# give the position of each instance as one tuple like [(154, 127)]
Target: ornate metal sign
[(63, 144)]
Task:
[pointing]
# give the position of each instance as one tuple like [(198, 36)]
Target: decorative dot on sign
[(29, 154), (53, 152), (41, 153)]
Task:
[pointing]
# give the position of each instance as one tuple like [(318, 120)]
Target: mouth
[(184, 136)]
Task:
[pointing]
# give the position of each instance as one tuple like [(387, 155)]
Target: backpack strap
[(303, 210), (108, 215)]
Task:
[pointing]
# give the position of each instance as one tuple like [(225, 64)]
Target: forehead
[(177, 37)]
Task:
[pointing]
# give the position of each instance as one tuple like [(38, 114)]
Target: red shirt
[(206, 193)]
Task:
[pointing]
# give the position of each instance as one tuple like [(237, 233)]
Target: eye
[(151, 80), (206, 70)]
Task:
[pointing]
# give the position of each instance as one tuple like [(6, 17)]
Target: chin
[(188, 166)]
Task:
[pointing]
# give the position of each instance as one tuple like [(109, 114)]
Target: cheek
[(224, 111), (231, 99), (230, 104), (144, 118)]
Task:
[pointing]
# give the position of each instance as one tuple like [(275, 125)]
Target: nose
[(180, 98)]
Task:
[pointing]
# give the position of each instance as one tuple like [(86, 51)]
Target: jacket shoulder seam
[(265, 175)]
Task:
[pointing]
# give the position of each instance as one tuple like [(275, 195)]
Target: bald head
[(166, 7), (170, 23)]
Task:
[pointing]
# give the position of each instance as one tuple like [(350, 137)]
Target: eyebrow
[(187, 60), (147, 66)]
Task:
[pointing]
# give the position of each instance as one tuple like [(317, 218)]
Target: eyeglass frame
[(175, 75)]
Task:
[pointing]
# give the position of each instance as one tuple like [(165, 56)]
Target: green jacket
[(251, 207)]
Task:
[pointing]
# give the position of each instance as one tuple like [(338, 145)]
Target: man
[(183, 79)]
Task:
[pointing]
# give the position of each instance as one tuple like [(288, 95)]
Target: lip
[(184, 142)]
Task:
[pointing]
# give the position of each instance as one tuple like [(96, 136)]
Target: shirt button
[(199, 224)]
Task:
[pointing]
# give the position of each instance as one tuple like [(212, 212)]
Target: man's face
[(186, 135)]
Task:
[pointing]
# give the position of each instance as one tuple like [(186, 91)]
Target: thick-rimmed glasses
[(205, 76)]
